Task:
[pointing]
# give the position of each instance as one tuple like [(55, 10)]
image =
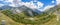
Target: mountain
[(26, 10), (5, 7), (21, 9), (53, 9)]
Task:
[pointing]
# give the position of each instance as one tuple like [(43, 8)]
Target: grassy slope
[(8, 20)]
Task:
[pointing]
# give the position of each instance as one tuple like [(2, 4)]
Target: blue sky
[(46, 2), (42, 4)]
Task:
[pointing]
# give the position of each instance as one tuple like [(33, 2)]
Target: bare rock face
[(20, 9)]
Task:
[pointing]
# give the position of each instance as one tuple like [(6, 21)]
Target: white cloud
[(1, 5), (28, 4), (40, 4), (31, 4), (12, 3), (52, 1), (58, 2), (8, 1)]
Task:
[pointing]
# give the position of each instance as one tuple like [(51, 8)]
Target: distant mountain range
[(26, 9), (5, 7)]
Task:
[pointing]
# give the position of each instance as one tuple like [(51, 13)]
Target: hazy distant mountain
[(5, 7), (53, 9)]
